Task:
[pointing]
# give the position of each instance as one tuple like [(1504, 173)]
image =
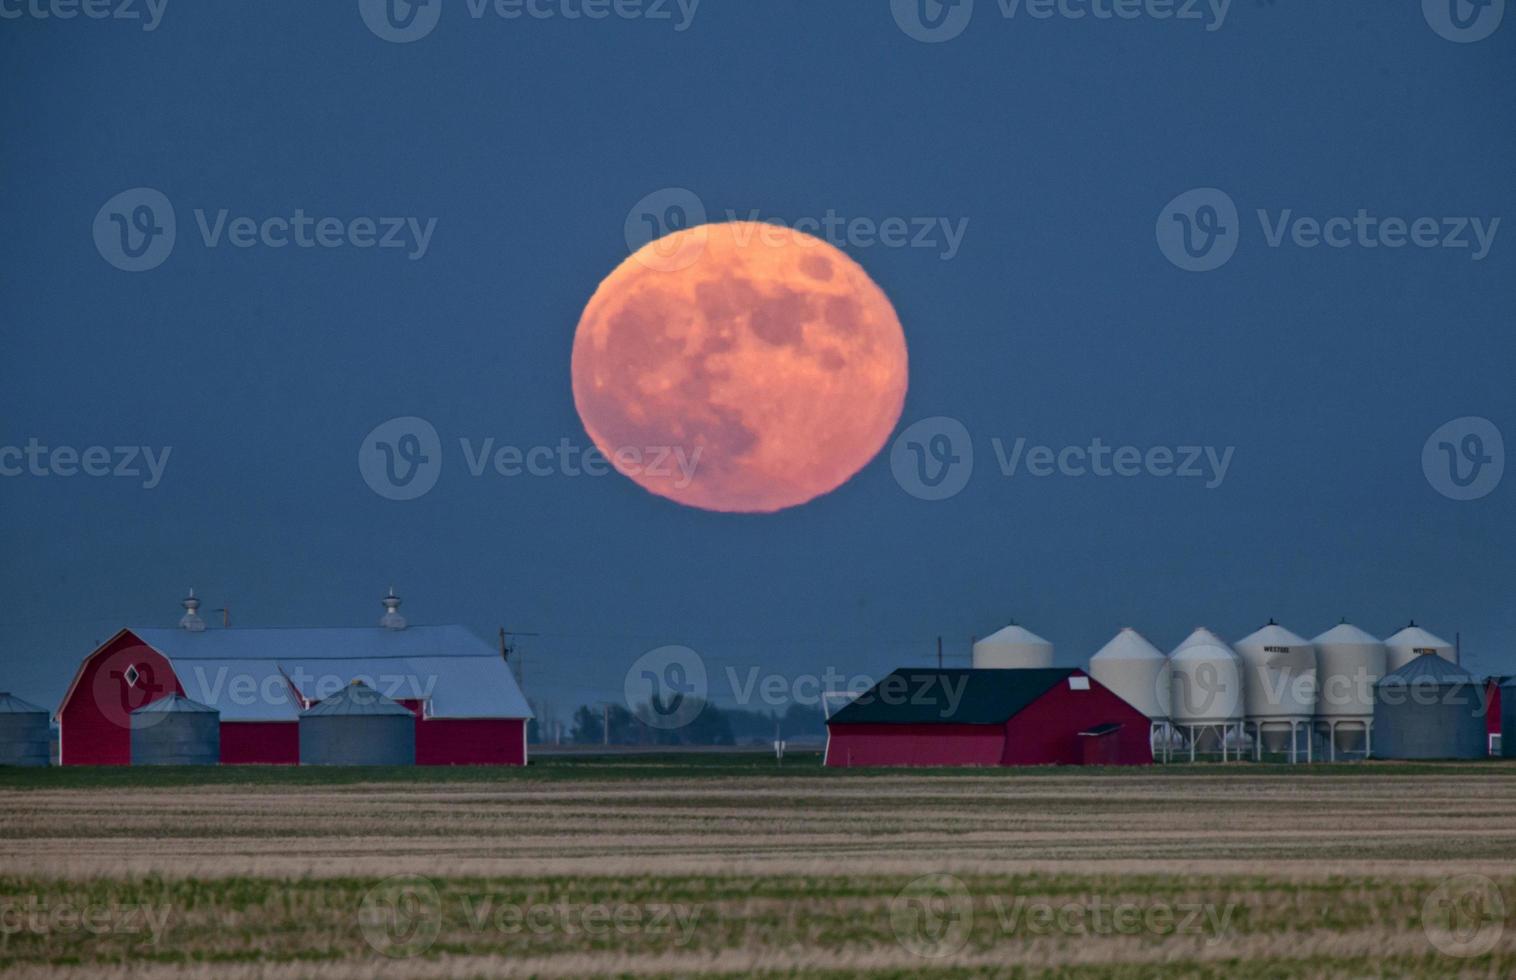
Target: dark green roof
[(950, 696)]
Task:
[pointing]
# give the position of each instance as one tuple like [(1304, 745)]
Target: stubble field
[(730, 865)]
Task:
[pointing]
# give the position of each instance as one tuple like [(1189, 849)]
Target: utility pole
[(939, 653), (507, 648), (605, 721)]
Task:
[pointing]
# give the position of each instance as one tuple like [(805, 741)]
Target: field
[(658, 866)]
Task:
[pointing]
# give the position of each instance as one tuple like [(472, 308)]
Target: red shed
[(963, 717), (469, 708)]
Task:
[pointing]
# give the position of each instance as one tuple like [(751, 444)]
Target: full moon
[(739, 367)]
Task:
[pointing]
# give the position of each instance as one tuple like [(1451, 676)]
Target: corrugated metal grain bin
[(24, 736), (175, 731), (357, 726), (1429, 709)]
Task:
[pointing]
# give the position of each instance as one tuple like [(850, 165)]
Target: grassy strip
[(263, 920), (798, 765)]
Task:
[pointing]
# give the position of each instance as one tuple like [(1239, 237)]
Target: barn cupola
[(392, 620), (191, 619)]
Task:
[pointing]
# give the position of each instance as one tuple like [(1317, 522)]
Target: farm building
[(467, 705), (988, 717), (24, 736)]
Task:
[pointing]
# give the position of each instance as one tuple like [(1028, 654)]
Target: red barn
[(468, 707), (963, 717)]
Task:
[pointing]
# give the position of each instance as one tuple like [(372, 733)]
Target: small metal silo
[(175, 731), (1429, 709), (25, 739), (357, 726)]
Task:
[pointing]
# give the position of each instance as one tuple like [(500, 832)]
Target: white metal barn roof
[(247, 674)]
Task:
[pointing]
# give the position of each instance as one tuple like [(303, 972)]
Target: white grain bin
[(1206, 700), (1412, 642), (1349, 662), (1279, 685), (1137, 671), (1011, 648)]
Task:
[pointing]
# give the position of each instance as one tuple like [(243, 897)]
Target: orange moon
[(762, 363)]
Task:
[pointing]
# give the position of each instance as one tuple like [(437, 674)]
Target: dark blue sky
[(1058, 320)]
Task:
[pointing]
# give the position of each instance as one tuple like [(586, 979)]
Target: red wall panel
[(260, 743), (471, 742), (95, 718), (915, 745), (1047, 731)]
